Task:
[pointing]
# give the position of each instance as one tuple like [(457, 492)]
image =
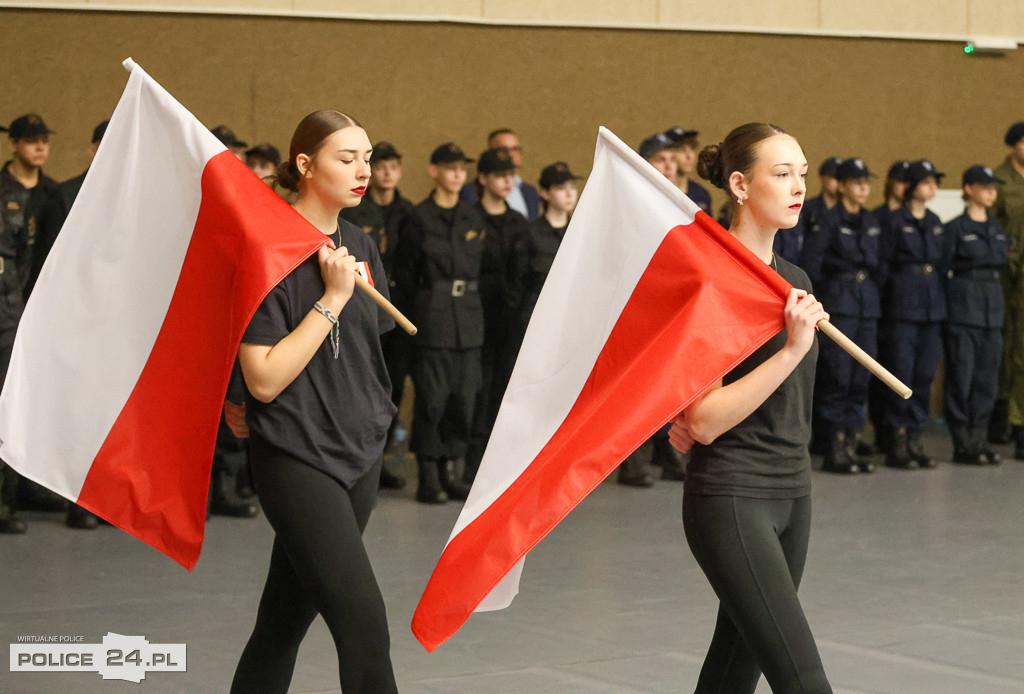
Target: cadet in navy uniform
[(686, 164), (976, 251), (381, 215), (913, 310), (437, 265), (827, 197), (496, 173), (895, 186), (841, 258)]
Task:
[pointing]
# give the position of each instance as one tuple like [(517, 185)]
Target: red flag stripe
[(680, 289), (152, 472)]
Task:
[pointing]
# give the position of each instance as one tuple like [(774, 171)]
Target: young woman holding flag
[(746, 507), (318, 417)]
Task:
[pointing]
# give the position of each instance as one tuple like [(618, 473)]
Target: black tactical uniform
[(437, 266)]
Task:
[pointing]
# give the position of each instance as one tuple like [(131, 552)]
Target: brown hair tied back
[(737, 152), (308, 138)]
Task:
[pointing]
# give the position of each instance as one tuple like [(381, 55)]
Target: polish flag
[(122, 357), (649, 301)]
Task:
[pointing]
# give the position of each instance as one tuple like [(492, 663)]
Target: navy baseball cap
[(496, 160), (677, 134), (852, 168), (382, 151), (829, 166), (898, 171), (227, 136), (29, 125), (656, 143), (99, 131), (922, 169), (265, 151), (448, 153), (556, 174), (980, 174)]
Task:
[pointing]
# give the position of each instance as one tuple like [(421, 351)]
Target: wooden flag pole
[(864, 358), (390, 307)]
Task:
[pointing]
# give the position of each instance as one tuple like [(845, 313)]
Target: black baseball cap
[(980, 174), (852, 168), (829, 167), (29, 125), (556, 174), (922, 169), (382, 151), (656, 143), (677, 134), (1014, 134), (496, 160), (448, 153), (265, 151), (898, 171), (99, 131), (227, 137)]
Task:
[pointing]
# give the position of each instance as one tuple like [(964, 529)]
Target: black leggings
[(318, 566), (753, 553)]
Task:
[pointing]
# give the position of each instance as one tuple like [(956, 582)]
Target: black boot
[(451, 481), (429, 490), (980, 438), (837, 458), (857, 449), (965, 449), (898, 456), (635, 470), (10, 523), (224, 499), (916, 450), (80, 519)]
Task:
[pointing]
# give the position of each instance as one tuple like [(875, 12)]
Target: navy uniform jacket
[(530, 196), (789, 243), (535, 252), (913, 270), (841, 256), (976, 253), (812, 212), (699, 195), (384, 226), (496, 290), (437, 264)]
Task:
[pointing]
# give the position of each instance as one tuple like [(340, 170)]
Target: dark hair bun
[(709, 165), (287, 176)]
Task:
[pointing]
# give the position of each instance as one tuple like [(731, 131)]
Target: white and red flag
[(124, 351), (649, 301)]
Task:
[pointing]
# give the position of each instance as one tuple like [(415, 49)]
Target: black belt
[(858, 276), (920, 269), (979, 273), (457, 287)]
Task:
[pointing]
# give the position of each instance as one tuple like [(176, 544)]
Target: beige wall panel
[(420, 84), (589, 11), (990, 18), (775, 14), (428, 9), (918, 17)]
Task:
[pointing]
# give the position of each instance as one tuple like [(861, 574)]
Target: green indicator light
[(969, 48)]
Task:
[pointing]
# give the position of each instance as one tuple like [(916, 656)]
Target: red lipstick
[(796, 206), (361, 190)]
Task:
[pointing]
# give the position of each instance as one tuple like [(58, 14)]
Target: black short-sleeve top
[(766, 455), (335, 414)]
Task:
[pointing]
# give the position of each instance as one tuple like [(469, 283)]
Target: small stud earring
[(739, 201)]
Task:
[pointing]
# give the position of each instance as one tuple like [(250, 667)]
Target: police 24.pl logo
[(119, 657)]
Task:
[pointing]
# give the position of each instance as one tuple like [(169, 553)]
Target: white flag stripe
[(71, 362), (590, 282)]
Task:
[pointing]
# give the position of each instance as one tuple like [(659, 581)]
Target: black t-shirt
[(335, 414), (765, 456)]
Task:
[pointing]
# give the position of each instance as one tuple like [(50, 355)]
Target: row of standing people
[(908, 289)]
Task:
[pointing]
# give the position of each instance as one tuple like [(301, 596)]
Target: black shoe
[(389, 480), (224, 499), (429, 490), (962, 457), (999, 429), (80, 519), (916, 451), (990, 457), (11, 524), (854, 446), (451, 481), (838, 459), (898, 456)]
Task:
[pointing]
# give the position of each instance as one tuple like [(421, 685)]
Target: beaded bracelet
[(335, 335)]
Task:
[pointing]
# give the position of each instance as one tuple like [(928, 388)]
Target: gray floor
[(914, 584)]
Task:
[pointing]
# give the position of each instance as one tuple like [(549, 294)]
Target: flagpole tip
[(128, 64)]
